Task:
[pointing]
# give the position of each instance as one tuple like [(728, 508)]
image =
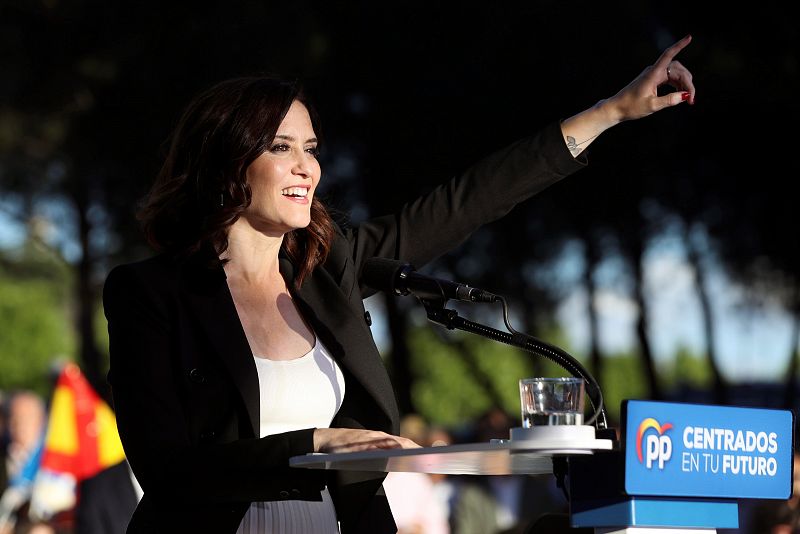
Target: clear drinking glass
[(551, 401)]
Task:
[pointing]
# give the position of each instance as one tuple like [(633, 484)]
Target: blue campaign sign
[(693, 450)]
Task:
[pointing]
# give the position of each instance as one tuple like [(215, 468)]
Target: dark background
[(410, 93)]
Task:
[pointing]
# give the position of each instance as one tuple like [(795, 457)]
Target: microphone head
[(383, 274)]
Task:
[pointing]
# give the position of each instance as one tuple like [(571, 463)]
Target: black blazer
[(184, 381)]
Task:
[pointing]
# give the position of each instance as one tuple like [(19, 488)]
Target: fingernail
[(685, 96)]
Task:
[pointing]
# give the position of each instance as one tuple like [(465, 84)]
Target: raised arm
[(437, 222), (636, 100)]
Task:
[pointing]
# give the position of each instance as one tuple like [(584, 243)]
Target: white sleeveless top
[(302, 393)]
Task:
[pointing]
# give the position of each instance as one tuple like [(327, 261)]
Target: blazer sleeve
[(151, 417), (439, 221)]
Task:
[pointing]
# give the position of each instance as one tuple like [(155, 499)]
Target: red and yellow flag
[(81, 440)]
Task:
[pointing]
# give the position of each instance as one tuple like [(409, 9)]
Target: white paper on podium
[(505, 458)]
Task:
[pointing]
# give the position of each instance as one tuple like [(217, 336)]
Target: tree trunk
[(720, 388), (86, 297), (642, 324), (537, 362), (790, 387), (592, 258)]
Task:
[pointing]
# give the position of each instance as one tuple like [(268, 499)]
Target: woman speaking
[(244, 342)]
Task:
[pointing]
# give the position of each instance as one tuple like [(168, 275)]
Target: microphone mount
[(402, 278), (450, 319)]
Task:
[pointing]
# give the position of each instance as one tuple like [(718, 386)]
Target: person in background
[(26, 424), (470, 507), (25, 420), (3, 440), (412, 496), (500, 504)]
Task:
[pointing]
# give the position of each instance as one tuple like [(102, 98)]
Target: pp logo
[(658, 446)]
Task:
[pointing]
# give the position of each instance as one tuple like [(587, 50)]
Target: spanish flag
[(81, 441)]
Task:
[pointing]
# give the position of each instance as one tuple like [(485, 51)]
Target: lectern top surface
[(495, 458)]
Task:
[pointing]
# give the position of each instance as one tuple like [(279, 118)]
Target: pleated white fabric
[(291, 517), (302, 393)]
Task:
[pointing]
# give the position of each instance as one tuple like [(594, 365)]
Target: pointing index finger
[(671, 52)]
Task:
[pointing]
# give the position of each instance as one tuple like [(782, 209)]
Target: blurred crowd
[(22, 426), (777, 517), (103, 503), (421, 503), (470, 504)]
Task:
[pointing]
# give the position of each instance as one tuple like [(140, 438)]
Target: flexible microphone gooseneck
[(400, 278)]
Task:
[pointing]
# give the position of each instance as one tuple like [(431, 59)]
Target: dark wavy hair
[(202, 187)]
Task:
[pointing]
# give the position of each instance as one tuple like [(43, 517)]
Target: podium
[(677, 468)]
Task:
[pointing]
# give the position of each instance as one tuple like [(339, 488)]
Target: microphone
[(401, 278)]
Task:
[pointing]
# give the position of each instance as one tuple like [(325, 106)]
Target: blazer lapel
[(345, 334), (211, 302)]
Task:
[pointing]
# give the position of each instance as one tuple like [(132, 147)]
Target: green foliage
[(101, 335), (502, 366), (457, 378), (623, 378), (37, 327), (689, 369), (445, 392), (36, 332), (448, 390)]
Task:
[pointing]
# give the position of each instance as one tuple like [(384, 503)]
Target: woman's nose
[(302, 167)]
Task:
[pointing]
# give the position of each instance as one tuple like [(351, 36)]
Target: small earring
[(221, 199)]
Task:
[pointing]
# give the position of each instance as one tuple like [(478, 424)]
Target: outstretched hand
[(636, 100), (352, 440), (640, 97)]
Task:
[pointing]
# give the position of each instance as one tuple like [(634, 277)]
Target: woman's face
[(283, 179)]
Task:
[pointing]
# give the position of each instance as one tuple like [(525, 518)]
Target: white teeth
[(301, 192)]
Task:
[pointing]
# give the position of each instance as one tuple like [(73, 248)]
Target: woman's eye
[(284, 147)]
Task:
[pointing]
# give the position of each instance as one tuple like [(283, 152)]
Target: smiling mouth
[(295, 192)]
